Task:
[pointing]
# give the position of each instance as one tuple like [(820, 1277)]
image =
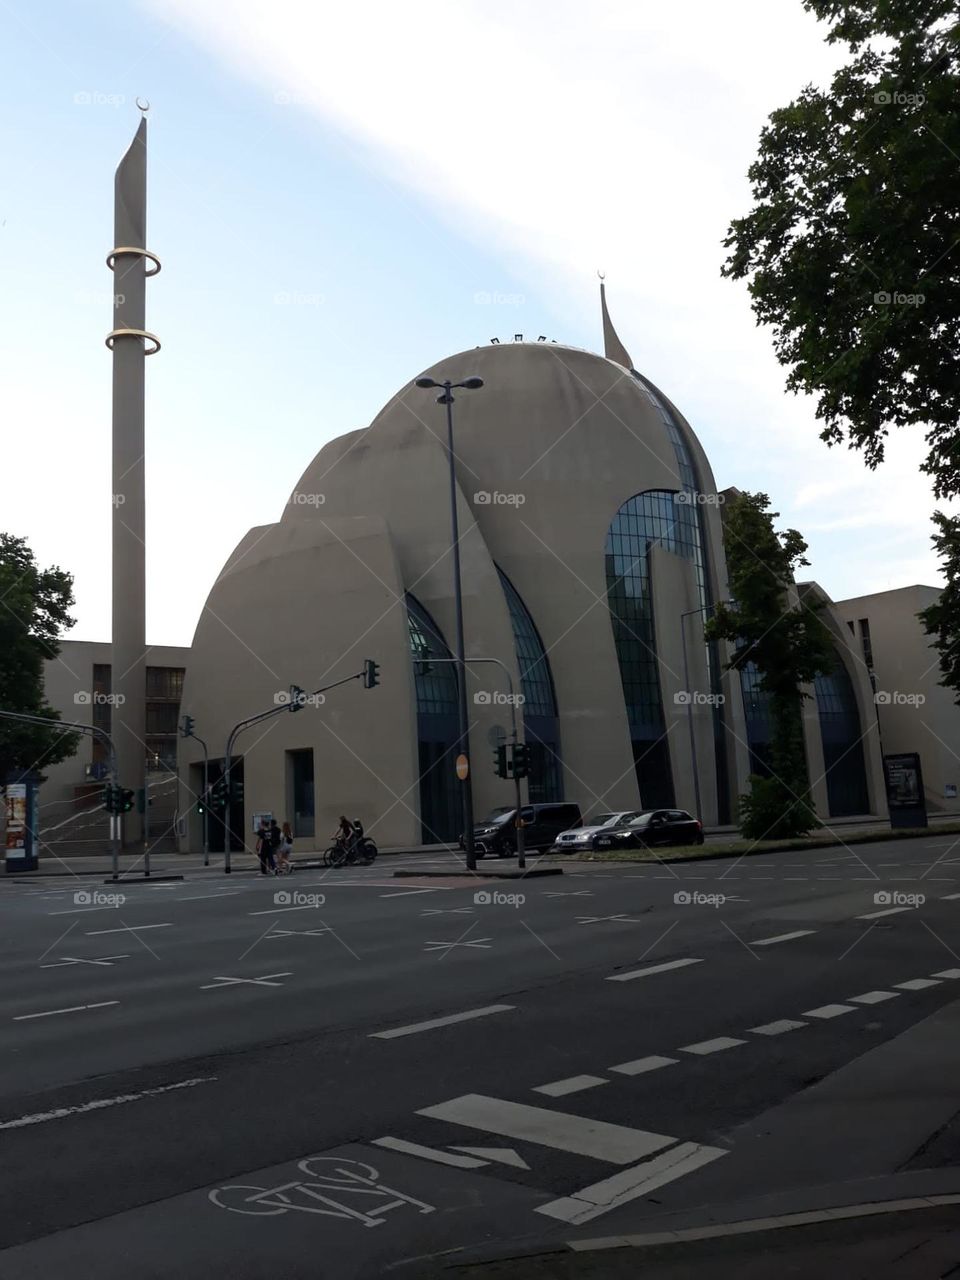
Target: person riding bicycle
[(345, 832)]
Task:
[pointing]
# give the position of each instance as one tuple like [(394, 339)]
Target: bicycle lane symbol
[(349, 1178)]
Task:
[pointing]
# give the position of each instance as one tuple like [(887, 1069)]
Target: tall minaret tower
[(131, 263)]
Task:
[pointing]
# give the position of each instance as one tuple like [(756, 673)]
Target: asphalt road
[(201, 1078)]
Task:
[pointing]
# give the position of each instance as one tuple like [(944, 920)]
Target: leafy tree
[(942, 620), (852, 242), (789, 645), (34, 610)]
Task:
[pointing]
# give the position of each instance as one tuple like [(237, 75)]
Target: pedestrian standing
[(286, 848), (263, 846)]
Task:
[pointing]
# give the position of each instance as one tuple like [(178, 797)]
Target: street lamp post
[(463, 732)]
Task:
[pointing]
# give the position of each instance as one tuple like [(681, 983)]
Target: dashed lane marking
[(573, 1084), (776, 1028), (829, 1011), (96, 933), (415, 1027), (651, 969), (948, 973), (887, 911), (783, 937), (917, 984), (105, 961), (98, 1104), (653, 1062), (874, 997), (267, 980), (712, 1046)]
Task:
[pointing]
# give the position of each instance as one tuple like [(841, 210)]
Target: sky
[(340, 196)]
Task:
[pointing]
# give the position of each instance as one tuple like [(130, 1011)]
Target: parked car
[(576, 839), (654, 827), (542, 823)]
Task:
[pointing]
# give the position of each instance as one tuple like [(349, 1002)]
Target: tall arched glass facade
[(841, 733), (657, 516), (541, 731), (756, 710), (436, 689)]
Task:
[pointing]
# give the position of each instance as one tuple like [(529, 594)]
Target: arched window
[(841, 734), (541, 731), (436, 689)]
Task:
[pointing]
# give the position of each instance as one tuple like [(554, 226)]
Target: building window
[(300, 791), (866, 643), (162, 717), (101, 718), (842, 742), (165, 682), (541, 731), (437, 727)]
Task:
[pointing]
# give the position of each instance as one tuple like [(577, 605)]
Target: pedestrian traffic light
[(371, 673), (109, 801), (186, 728), (521, 760), (500, 762), (126, 798)]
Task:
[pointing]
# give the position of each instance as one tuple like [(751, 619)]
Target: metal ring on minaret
[(134, 333), (144, 253)]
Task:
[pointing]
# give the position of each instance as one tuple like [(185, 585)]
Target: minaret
[(613, 348), (130, 343)]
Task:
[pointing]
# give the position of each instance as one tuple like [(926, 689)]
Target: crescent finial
[(143, 105)]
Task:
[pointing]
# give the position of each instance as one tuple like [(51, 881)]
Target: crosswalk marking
[(651, 969), (917, 984), (712, 1046), (776, 1028), (948, 973), (639, 1065), (560, 1130), (829, 1011), (573, 1084), (874, 997), (601, 1197)]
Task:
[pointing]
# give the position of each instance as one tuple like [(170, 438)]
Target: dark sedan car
[(650, 828)]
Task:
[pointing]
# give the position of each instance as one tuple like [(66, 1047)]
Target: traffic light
[(500, 762), (521, 760), (217, 796), (298, 698), (371, 673), (126, 798), (109, 800), (201, 804), (186, 728), (236, 792)]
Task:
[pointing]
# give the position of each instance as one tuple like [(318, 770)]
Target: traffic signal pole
[(298, 700)]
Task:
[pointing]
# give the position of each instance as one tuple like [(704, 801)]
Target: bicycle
[(357, 851)]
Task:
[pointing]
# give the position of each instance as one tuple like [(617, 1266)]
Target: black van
[(542, 823)]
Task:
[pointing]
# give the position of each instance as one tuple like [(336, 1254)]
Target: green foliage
[(855, 200), (34, 610), (786, 640), (942, 620)]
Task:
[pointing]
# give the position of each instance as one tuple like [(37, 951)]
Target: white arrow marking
[(503, 1155)]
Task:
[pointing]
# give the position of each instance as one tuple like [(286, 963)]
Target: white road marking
[(776, 1028), (617, 919), (829, 1011), (874, 997), (557, 1129), (42, 1117), (712, 1046), (273, 911), (639, 1065), (76, 1008), (950, 897), (782, 937), (293, 933), (573, 1084), (917, 984), (96, 933), (407, 893), (447, 911), (206, 897), (100, 960), (266, 981), (570, 893), (948, 973), (428, 1153), (887, 911), (651, 969), (599, 1198), (416, 1027), (502, 1155)]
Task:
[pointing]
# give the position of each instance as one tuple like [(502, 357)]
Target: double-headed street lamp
[(463, 734)]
